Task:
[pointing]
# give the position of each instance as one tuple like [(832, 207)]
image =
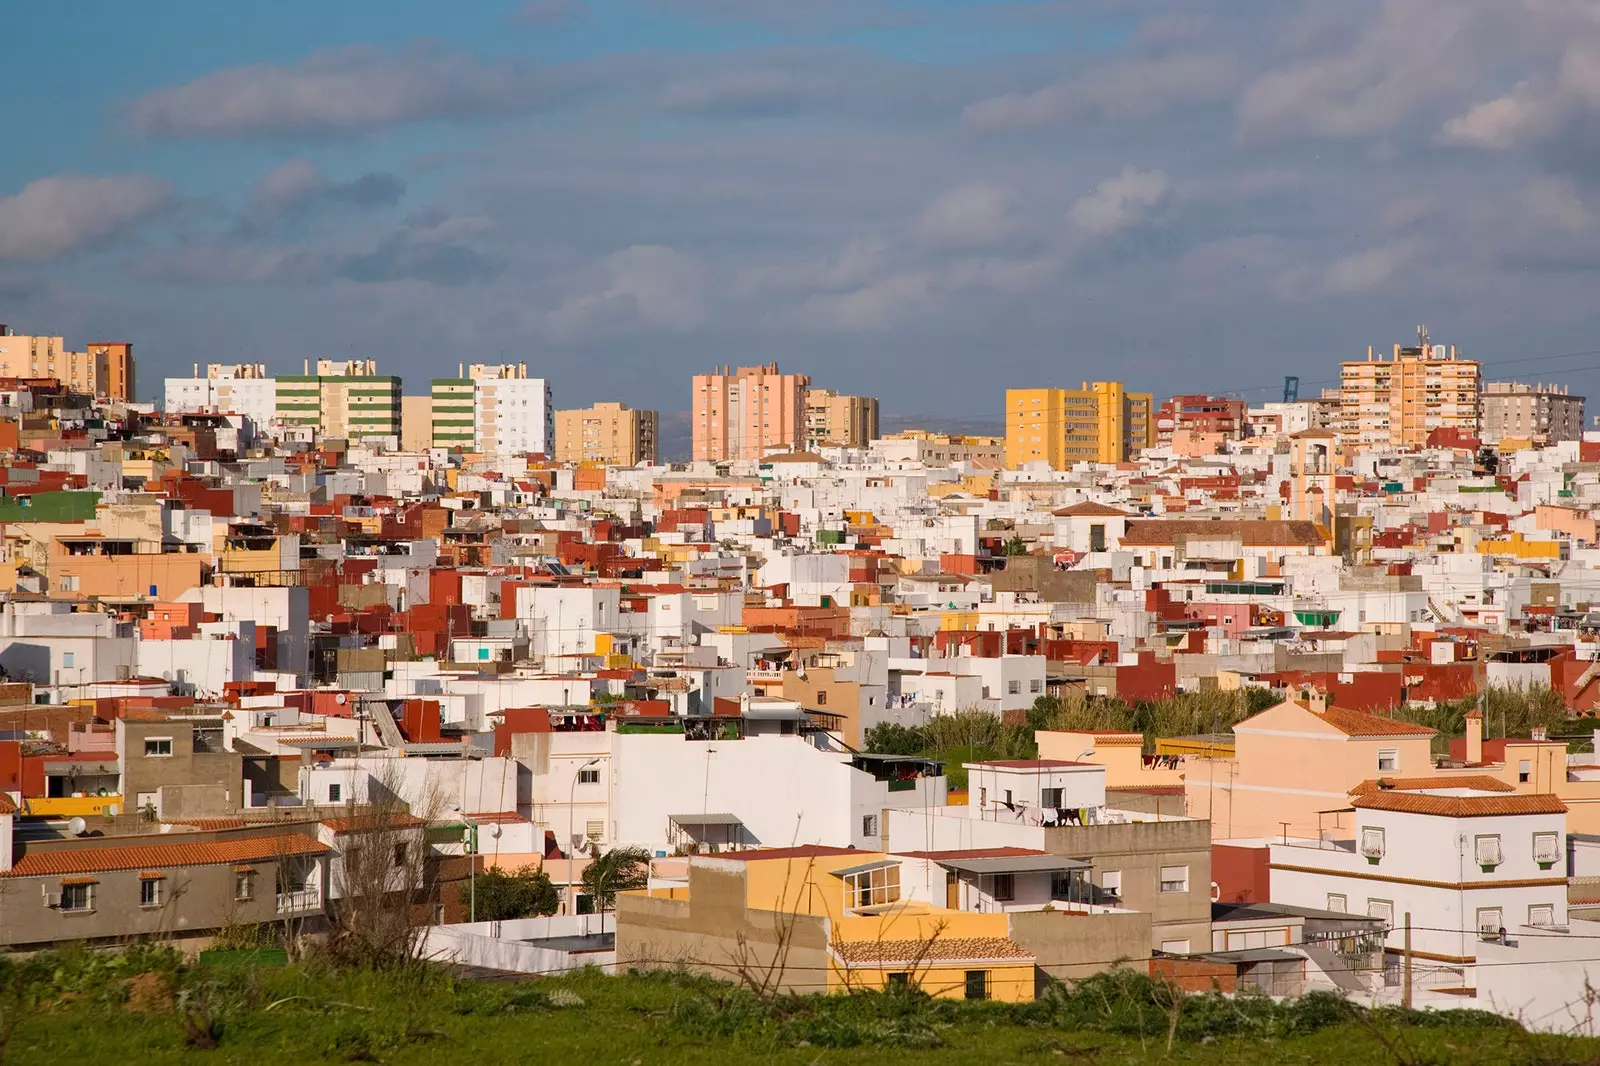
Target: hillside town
[(1265, 697)]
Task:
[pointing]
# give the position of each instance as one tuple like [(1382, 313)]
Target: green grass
[(80, 1008)]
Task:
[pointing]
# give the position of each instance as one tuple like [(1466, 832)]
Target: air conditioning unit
[(51, 899)]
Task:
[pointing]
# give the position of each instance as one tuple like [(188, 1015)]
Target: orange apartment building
[(747, 413), (1398, 402)]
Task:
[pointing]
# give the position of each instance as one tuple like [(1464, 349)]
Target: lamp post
[(572, 793)]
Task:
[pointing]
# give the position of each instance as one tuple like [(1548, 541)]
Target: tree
[(1016, 546), (618, 870), (501, 897), (892, 738)]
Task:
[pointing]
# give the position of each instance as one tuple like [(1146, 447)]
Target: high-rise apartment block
[(1102, 422), (848, 421), (236, 388), (1200, 414), (747, 413), (1539, 414), (104, 370), (496, 409), (1399, 402), (345, 399), (609, 433)]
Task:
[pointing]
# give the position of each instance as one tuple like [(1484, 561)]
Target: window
[(1487, 849), (1524, 770), (1097, 537), (334, 793), (1388, 760), (150, 892), (588, 777), (1005, 887), (244, 885), (594, 829), (159, 747), (1175, 947), (1013, 688), (872, 888), (1174, 879), (76, 897), (1338, 903), (869, 825), (898, 980), (1490, 920), (1111, 882), (1542, 914), (1050, 797), (822, 698), (399, 854), (1372, 842), (1062, 885), (69, 583), (68, 659), (977, 984), (1035, 685), (1382, 909), (1546, 849)]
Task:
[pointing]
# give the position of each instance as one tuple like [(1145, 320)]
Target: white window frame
[(1388, 760), (1486, 849), (1544, 911), (88, 899), (1490, 919), (872, 888), (589, 777), (157, 754), (1550, 854), (869, 825), (154, 886), (1111, 881), (1382, 909), (1338, 903), (1174, 879), (1374, 844)]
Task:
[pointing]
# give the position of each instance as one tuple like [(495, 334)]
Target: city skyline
[(884, 196)]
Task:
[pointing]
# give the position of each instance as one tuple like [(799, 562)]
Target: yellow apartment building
[(1102, 422), (610, 433), (105, 369), (1398, 402)]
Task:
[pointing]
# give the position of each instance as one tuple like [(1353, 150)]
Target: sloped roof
[(1480, 782), (1361, 724), (942, 949), (1090, 509), (1460, 806), (157, 856), (1261, 532)]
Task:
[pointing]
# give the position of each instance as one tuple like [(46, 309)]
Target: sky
[(925, 201)]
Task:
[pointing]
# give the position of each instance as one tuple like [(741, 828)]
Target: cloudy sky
[(928, 200)]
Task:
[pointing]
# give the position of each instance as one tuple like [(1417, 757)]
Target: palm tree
[(618, 870)]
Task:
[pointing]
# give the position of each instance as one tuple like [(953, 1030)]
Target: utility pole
[(1405, 988)]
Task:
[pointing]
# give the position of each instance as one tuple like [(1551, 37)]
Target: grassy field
[(81, 1007)]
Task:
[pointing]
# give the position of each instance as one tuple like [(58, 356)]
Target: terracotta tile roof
[(939, 949), (183, 853), (367, 822), (1148, 790), (1159, 532), (1480, 782), (7, 805), (1362, 724), (1030, 764), (1460, 806), (1089, 509)]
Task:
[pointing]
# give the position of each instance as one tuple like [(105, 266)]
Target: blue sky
[(929, 201)]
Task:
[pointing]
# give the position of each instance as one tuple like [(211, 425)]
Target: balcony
[(300, 900)]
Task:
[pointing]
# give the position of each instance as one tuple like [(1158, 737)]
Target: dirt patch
[(150, 993)]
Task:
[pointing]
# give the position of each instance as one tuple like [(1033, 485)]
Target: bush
[(503, 897)]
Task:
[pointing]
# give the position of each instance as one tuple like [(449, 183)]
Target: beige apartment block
[(1399, 402), (610, 433), (105, 370), (846, 421), (1538, 414)]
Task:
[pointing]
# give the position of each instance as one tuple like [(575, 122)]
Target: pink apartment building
[(748, 413)]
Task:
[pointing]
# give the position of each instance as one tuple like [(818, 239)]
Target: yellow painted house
[(819, 919)]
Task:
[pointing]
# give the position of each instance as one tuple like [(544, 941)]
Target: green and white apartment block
[(497, 410), (345, 399)]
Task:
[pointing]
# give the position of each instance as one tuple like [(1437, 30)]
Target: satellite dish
[(340, 699), (77, 827), (494, 829)]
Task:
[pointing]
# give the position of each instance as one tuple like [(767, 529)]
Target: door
[(952, 891)]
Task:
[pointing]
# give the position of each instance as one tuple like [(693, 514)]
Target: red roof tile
[(809, 851), (941, 949), (1362, 724), (1480, 782), (1460, 806), (181, 853)]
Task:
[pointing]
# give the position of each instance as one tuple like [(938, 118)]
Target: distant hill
[(676, 431)]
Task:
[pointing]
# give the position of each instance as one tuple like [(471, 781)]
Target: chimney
[(1317, 700), (308, 367), (1475, 738), (1539, 733)]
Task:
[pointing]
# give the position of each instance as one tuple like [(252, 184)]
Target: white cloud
[(337, 90), (53, 216), (974, 215), (882, 304), (1366, 270), (1127, 89), (1118, 202), (644, 285)]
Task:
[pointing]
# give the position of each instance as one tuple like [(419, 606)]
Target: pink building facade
[(748, 413)]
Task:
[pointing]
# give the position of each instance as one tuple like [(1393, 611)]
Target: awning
[(866, 867), (682, 820), (1015, 864)]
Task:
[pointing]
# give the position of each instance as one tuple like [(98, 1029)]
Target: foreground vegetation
[(144, 1006)]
